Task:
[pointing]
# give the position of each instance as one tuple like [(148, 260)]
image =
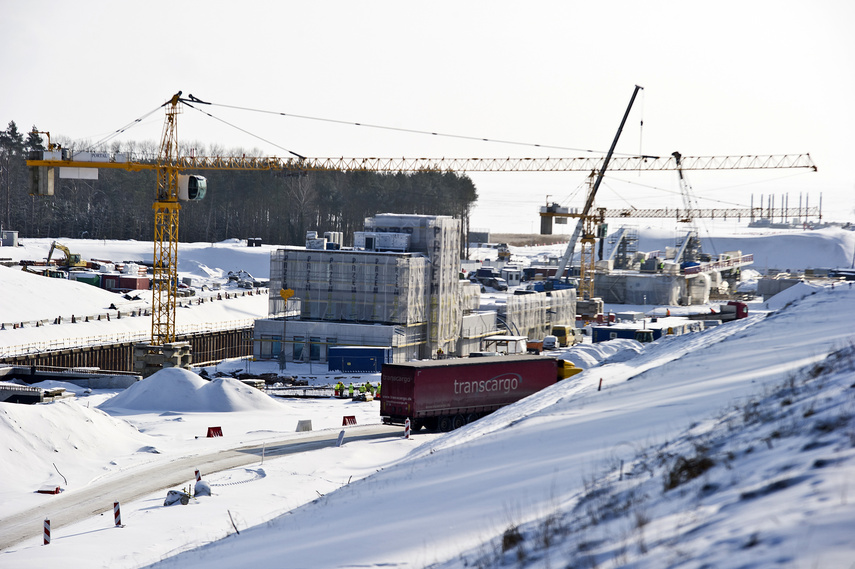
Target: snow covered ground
[(728, 448)]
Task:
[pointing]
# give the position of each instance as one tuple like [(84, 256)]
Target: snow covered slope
[(545, 455), (749, 423)]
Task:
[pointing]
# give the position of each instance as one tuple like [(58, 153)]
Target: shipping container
[(358, 359), (131, 282), (87, 277), (626, 332), (446, 394), (110, 282)]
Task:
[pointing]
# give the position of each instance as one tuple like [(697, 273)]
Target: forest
[(277, 207)]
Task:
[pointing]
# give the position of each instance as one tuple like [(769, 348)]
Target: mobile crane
[(585, 227), (174, 187)]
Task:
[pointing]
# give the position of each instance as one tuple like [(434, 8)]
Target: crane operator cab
[(191, 187)]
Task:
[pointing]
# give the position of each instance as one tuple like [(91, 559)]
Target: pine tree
[(11, 169), (34, 141)]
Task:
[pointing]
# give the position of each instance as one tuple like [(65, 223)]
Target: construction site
[(398, 284)]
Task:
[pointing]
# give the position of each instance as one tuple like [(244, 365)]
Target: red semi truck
[(443, 395)]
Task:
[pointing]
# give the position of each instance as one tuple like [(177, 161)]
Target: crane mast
[(166, 208)]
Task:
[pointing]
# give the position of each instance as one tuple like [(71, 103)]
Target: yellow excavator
[(71, 259)]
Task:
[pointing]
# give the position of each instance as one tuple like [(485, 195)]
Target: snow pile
[(590, 355), (179, 390), (40, 441)]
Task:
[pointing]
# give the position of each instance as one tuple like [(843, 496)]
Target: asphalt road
[(71, 507)]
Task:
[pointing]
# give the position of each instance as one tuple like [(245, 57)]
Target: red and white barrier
[(47, 531), (198, 476), (407, 429), (117, 514)]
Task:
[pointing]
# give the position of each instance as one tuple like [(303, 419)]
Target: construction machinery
[(71, 259), (689, 250), (504, 252), (591, 226), (174, 187), (585, 226), (690, 245)]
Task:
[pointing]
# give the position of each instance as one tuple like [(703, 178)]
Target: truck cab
[(566, 369)]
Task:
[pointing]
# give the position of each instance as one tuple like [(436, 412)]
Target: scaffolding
[(470, 296), (533, 315), (438, 237), (408, 276), (350, 285)]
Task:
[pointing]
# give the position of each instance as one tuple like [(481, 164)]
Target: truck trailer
[(442, 395)]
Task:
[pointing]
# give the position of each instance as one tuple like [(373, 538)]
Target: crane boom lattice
[(166, 208)]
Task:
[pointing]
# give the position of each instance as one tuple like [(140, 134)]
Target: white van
[(550, 343)]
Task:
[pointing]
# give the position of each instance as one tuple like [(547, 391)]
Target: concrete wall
[(635, 288), (768, 288)]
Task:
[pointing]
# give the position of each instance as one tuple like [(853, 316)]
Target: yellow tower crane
[(173, 187)]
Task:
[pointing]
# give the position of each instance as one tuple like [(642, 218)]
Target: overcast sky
[(723, 78)]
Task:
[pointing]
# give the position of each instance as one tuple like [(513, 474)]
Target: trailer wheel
[(445, 424), (471, 418), (458, 421)]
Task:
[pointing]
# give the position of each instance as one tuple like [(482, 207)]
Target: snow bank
[(40, 441), (179, 390), (194, 259), (590, 355), (28, 297)]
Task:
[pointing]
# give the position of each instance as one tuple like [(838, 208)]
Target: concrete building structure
[(398, 287)]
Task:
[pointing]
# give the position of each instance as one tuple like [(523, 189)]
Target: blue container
[(606, 333), (358, 359)]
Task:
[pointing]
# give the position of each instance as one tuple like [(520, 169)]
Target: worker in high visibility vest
[(377, 395), (350, 390), (362, 388)]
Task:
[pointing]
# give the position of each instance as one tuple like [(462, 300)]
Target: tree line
[(277, 207)]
